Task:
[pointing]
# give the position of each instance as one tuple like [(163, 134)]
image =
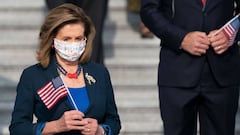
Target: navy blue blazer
[(171, 20), (102, 103)]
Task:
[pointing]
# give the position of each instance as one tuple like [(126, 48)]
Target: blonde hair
[(55, 20)]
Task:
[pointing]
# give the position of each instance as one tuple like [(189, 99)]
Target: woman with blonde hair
[(68, 94)]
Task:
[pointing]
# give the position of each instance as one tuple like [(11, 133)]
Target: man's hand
[(196, 43), (219, 41)]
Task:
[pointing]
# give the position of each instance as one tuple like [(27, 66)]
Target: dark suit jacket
[(171, 20), (102, 104)]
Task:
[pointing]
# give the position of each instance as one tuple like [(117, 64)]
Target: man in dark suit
[(199, 71), (96, 10)]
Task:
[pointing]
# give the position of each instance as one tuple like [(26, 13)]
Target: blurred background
[(131, 57)]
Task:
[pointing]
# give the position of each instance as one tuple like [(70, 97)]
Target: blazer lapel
[(51, 72), (90, 85), (88, 74), (212, 4)]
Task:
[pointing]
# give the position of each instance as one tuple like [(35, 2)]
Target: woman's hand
[(71, 120), (91, 128)]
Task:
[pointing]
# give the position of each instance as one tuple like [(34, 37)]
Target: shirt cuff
[(107, 129), (40, 127)]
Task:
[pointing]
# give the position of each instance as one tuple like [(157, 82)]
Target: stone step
[(22, 5), (20, 22), (14, 15), (21, 19), (131, 120), (133, 96), (127, 115), (116, 19), (134, 77), (141, 121), (120, 38), (131, 114), (117, 5), (122, 19), (127, 38), (127, 97), (4, 129), (7, 95), (25, 38), (26, 56), (125, 77), (131, 60), (12, 58), (29, 4), (6, 112)]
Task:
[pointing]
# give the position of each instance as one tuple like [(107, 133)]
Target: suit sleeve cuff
[(106, 128), (40, 127)]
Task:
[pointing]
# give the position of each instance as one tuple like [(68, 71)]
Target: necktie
[(203, 2)]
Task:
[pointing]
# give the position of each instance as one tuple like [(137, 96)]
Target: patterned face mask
[(70, 51)]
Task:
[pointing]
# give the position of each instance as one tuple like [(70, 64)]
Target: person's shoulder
[(33, 69), (98, 71), (95, 66)]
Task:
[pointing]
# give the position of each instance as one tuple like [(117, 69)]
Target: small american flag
[(231, 28), (52, 92)]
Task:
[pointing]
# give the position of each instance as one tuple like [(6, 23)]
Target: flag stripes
[(231, 28), (52, 92), (229, 31)]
